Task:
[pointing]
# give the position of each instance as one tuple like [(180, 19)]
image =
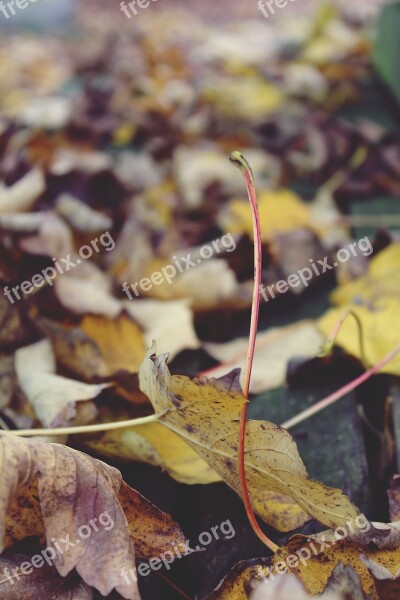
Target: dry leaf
[(83, 297), (205, 413), (387, 584), (343, 583), (52, 491), (381, 281), (274, 349), (252, 98), (222, 288), (72, 489), (74, 350), (119, 340), (22, 195), (170, 322), (321, 566), (326, 550), (42, 583), (381, 326), (156, 445), (51, 396), (280, 211)]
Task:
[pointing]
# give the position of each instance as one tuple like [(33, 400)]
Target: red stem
[(239, 161)]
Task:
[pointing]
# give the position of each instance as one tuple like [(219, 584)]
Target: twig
[(346, 389), (84, 428)]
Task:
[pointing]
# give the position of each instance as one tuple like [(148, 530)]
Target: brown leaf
[(387, 584), (72, 489), (42, 583)]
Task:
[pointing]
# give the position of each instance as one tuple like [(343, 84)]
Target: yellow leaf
[(205, 413), (280, 211), (381, 331), (244, 98), (381, 281), (158, 446), (119, 340), (312, 567)]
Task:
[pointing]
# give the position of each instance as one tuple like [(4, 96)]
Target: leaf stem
[(346, 389), (84, 428), (328, 345), (239, 161)]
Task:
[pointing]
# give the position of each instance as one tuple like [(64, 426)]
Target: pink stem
[(349, 387)]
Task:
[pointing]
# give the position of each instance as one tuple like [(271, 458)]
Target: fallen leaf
[(43, 582), (72, 488), (380, 326), (332, 565), (170, 322), (51, 396), (222, 287), (280, 211), (22, 195), (251, 98), (52, 491), (343, 583), (387, 584), (380, 282), (322, 552), (156, 445), (83, 297), (274, 349), (205, 413), (120, 341)]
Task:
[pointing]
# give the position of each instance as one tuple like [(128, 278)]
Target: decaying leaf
[(51, 396), (59, 494), (381, 281), (325, 563), (380, 325), (274, 349), (387, 583), (316, 557), (119, 340), (170, 322), (205, 414), (42, 582), (72, 489), (158, 446), (343, 583)]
